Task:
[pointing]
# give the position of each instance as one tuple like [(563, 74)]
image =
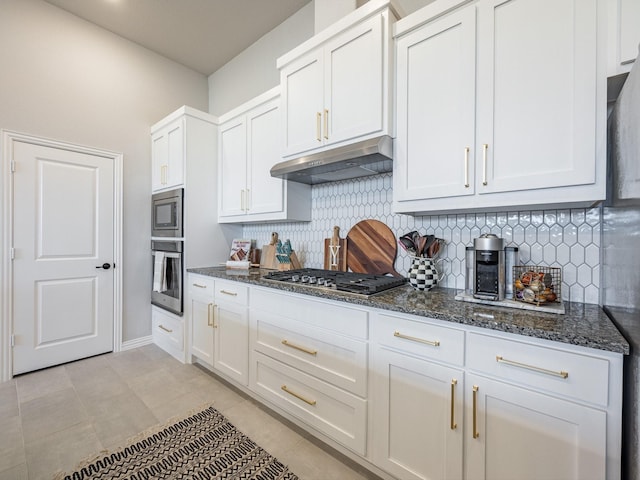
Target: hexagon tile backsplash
[(569, 238)]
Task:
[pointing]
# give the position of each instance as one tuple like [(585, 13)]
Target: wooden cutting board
[(371, 248)]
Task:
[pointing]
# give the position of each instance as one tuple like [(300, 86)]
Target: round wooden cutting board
[(371, 248)]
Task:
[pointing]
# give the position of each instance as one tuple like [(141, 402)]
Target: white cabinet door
[(536, 104), (233, 167), (418, 422), (517, 433), (231, 325), (201, 311), (629, 19), (338, 90), (434, 148), (353, 83), (167, 152), (302, 103), (624, 35), (265, 193)]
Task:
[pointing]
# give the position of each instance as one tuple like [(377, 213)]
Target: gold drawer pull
[(433, 343), (298, 347), (226, 292), (198, 285), (454, 382), (298, 396), (561, 374), (162, 327), (475, 432)]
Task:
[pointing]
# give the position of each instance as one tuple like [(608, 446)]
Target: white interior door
[(63, 233)]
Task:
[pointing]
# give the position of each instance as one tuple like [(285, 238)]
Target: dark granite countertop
[(585, 325)]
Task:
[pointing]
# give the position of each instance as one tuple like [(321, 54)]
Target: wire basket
[(536, 284)]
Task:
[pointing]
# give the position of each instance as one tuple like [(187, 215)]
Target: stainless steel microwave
[(166, 213)]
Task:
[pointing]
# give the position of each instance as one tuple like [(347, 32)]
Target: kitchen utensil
[(335, 252), (421, 245), (408, 242), (371, 248)]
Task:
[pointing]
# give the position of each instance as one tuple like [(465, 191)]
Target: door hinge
[(13, 340), (12, 165), (12, 253)]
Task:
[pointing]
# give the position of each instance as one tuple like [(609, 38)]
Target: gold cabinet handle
[(466, 167), (198, 285), (454, 382), (433, 343), (298, 347), (485, 147), (318, 126), (162, 327), (247, 200), (476, 434), (242, 200), (210, 316), (226, 292), (298, 396), (326, 124), (561, 373)]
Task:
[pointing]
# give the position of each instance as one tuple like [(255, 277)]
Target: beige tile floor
[(54, 418)]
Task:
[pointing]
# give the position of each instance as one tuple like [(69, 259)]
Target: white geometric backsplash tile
[(568, 238)]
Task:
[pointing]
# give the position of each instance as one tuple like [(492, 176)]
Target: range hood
[(361, 159)]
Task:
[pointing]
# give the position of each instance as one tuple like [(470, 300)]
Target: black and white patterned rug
[(203, 446)]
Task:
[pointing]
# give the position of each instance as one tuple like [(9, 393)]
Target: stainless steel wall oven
[(166, 289)]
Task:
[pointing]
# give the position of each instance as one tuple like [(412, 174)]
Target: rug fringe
[(60, 475)]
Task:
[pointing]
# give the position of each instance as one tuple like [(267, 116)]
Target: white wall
[(66, 79), (254, 70)]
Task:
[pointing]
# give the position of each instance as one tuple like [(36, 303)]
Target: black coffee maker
[(488, 267)]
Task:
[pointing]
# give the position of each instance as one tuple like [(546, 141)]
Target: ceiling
[(200, 34)]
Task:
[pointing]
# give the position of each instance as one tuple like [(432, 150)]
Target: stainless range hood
[(368, 157)]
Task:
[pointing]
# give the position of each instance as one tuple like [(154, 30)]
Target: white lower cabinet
[(450, 403), (200, 309), (168, 332), (417, 403), (414, 397), (231, 338), (219, 319), (309, 357), (517, 433)]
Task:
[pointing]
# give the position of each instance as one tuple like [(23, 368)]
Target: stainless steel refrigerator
[(620, 254)]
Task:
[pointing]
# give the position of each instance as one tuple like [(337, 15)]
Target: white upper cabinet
[(624, 35), (248, 146), (335, 86), (436, 108), (168, 156), (500, 104)]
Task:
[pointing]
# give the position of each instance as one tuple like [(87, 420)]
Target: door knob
[(106, 266)]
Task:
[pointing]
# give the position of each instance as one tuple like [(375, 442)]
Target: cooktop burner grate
[(357, 283)]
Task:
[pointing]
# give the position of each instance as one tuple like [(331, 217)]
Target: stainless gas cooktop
[(361, 284)]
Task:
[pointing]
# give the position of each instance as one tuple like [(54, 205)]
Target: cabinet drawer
[(419, 338), (339, 360), (168, 332), (571, 374), (233, 292), (337, 414), (201, 285), (320, 313)]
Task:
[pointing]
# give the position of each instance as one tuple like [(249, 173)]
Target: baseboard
[(136, 342)]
